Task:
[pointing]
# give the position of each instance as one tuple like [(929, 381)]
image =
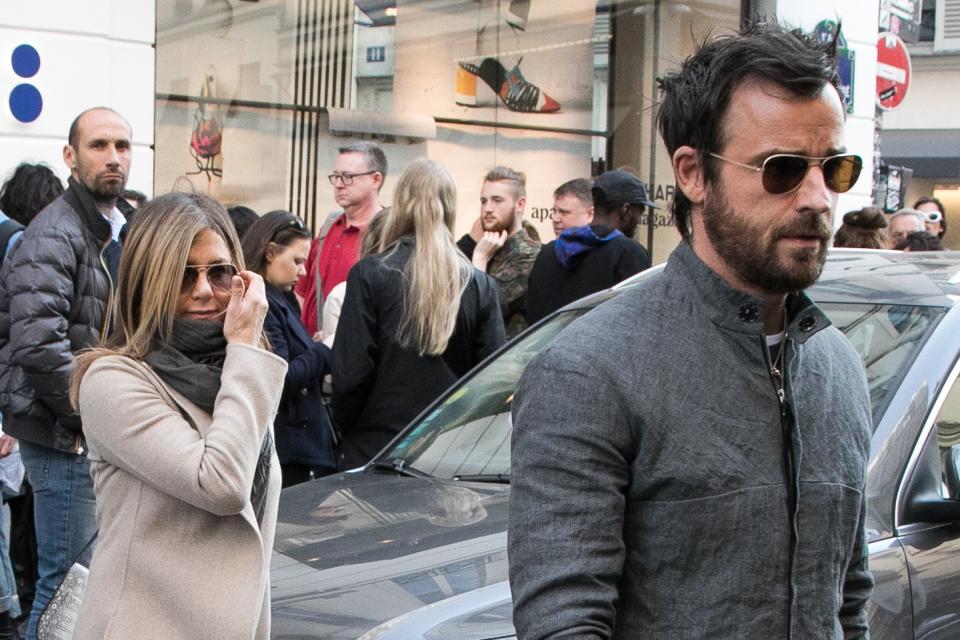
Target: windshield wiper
[(399, 466), (496, 478)]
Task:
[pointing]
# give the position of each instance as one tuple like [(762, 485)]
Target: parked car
[(414, 544)]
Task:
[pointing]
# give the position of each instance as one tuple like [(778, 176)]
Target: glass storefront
[(255, 97)]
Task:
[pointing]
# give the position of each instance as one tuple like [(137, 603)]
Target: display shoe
[(466, 87), (514, 90)]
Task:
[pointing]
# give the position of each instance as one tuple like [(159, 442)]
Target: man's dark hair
[(943, 212), (373, 155), (579, 188), (242, 218), (31, 188), (919, 241), (75, 125), (694, 99)]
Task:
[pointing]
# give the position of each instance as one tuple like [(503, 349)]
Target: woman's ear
[(271, 252), (688, 171)]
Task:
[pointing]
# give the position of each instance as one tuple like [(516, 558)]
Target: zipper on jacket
[(108, 309), (778, 377)]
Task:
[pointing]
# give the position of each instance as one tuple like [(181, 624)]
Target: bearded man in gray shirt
[(696, 467)]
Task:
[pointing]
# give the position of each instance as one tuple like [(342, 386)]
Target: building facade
[(250, 99), (923, 134)]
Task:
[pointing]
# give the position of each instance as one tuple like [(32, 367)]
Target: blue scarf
[(576, 241)]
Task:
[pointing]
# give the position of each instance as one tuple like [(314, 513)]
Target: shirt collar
[(116, 221), (734, 309)]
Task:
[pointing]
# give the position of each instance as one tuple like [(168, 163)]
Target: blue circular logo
[(26, 61), (26, 103)]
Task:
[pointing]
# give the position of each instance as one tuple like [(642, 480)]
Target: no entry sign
[(893, 71)]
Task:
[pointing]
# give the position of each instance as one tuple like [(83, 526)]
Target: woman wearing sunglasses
[(177, 410), (416, 316), (276, 246)]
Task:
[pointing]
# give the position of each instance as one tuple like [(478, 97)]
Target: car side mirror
[(935, 471)]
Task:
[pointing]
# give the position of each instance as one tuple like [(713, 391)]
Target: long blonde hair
[(425, 205), (151, 273)]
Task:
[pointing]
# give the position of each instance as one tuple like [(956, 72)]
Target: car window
[(887, 337), (468, 433)]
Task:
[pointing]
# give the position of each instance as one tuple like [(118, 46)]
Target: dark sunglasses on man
[(784, 172)]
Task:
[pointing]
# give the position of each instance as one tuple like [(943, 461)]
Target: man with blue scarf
[(596, 250)]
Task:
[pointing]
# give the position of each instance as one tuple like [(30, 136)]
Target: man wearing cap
[(688, 459), (594, 249)]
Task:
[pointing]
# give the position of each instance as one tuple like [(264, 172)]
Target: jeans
[(64, 514), (8, 584)]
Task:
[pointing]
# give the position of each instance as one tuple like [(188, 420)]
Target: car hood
[(391, 556)]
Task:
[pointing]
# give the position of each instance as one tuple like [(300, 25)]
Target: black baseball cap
[(621, 187)]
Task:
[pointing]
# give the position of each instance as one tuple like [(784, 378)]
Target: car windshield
[(467, 435)]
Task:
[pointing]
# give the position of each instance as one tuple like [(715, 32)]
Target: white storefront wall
[(92, 53)]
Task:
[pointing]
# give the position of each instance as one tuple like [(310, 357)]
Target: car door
[(929, 521)]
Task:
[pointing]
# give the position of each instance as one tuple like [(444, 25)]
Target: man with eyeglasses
[(357, 177), (54, 295), (695, 467)]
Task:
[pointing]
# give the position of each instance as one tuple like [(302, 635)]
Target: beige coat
[(180, 555)]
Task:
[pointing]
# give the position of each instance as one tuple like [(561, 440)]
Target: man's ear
[(69, 157), (590, 213), (688, 171)]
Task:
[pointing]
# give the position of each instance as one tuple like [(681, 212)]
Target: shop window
[(558, 90)]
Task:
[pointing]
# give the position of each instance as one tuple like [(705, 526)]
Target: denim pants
[(64, 514), (8, 584)]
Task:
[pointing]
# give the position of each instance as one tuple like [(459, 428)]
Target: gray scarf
[(192, 363)]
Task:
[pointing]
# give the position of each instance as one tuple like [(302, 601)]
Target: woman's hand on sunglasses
[(243, 323)]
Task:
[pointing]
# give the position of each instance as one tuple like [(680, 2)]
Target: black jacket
[(552, 285), (54, 292), (302, 429), (379, 385)]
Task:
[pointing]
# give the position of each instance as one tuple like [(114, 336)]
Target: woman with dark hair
[(31, 188), (416, 317), (864, 229), (177, 410), (936, 216), (276, 246)]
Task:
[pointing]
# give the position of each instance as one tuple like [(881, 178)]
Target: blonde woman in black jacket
[(416, 317)]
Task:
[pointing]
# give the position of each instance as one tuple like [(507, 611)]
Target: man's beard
[(754, 259), (498, 226), (101, 190)]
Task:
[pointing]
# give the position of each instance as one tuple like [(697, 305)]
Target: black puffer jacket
[(54, 292)]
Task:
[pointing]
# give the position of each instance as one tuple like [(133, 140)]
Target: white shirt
[(116, 221)]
